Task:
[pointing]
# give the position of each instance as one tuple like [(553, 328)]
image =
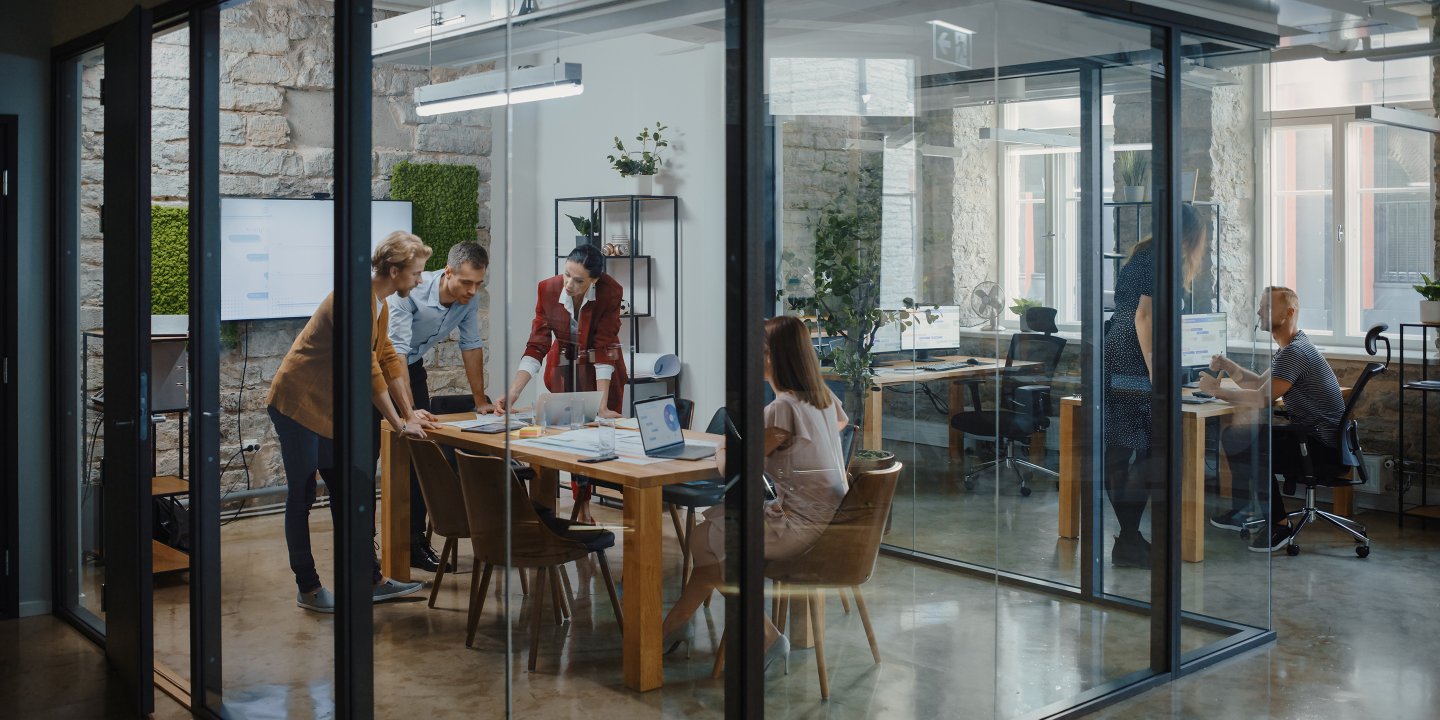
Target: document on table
[(586, 441), (489, 418)]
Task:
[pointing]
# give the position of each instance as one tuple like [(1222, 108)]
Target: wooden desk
[(898, 374), (1192, 474), (642, 534)]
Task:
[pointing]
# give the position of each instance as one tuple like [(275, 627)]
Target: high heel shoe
[(683, 634), (779, 648)]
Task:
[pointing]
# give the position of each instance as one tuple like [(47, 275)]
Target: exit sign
[(951, 44)]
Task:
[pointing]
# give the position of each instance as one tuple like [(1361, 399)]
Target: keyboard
[(942, 367)]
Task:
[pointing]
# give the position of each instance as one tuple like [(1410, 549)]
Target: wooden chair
[(441, 489), (843, 557), (533, 543)]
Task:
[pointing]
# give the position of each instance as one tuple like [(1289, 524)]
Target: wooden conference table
[(641, 601), (1193, 419)]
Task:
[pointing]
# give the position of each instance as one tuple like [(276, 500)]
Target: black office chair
[(1351, 468), (1025, 406)]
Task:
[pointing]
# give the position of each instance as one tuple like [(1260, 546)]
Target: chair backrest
[(532, 544), (717, 422), (1350, 452), (686, 410), (845, 553), (1032, 347), (441, 489)]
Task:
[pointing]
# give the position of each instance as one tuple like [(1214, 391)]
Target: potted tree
[(844, 296), (1430, 306)]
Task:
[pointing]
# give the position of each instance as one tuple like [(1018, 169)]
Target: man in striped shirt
[(1313, 401)]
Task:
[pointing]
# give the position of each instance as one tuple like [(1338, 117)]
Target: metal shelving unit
[(636, 269), (1423, 386)]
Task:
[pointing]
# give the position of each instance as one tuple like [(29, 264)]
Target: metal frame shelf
[(1424, 510), (628, 211)]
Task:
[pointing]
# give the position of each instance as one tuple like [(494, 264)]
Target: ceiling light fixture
[(488, 89), (1398, 117)]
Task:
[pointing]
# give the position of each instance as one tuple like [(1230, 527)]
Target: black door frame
[(128, 464), (9, 461)]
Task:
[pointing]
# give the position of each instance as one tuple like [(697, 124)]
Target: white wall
[(557, 148)]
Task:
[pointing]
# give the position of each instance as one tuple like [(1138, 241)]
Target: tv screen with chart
[(1202, 335), (277, 256), (938, 335)]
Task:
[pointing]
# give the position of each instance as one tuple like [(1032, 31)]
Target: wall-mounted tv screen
[(277, 256)]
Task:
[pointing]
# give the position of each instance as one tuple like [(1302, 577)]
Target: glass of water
[(605, 436)]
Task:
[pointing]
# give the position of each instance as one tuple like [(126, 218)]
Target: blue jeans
[(304, 453)]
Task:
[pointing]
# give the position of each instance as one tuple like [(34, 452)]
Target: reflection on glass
[(1302, 219)]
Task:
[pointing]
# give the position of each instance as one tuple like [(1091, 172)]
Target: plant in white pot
[(1430, 306)]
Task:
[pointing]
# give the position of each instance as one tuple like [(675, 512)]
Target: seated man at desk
[(419, 321), (1300, 375)]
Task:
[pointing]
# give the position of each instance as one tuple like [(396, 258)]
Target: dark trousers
[(442, 405), (1245, 449), (304, 453), (1128, 482)]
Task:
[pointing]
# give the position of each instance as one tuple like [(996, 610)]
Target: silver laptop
[(659, 422), (562, 409)]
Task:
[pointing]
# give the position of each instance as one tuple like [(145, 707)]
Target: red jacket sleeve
[(541, 336)]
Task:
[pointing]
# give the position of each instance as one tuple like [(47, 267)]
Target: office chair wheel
[(1292, 549), (1025, 492), (1362, 551)]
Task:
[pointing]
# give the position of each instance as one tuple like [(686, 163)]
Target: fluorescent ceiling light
[(948, 26), (1121, 147), (489, 89), (1398, 117)]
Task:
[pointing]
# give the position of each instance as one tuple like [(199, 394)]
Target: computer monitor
[(1202, 335), (887, 338), (943, 333)]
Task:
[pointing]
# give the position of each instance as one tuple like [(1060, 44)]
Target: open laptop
[(660, 434), (561, 409)]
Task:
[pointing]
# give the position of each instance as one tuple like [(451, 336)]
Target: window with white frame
[(1351, 220)]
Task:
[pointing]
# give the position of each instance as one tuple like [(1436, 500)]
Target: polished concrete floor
[(1354, 634)]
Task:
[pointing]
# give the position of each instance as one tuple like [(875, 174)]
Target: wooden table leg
[(957, 438), (394, 506), (873, 411), (1069, 471), (1224, 482), (1342, 500), (1192, 488), (641, 601)]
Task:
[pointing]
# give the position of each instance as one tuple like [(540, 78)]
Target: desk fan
[(986, 302)]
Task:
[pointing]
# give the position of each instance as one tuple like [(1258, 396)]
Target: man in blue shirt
[(432, 312)]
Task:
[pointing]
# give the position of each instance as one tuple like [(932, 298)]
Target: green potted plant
[(1019, 308), (871, 460), (843, 296), (1430, 306), (589, 228), (648, 161), (1132, 172)]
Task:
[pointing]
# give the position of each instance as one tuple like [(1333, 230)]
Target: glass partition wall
[(992, 225)]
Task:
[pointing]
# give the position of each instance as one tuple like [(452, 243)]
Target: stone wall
[(277, 136)]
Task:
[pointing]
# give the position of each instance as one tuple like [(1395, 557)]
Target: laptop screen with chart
[(1202, 335)]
